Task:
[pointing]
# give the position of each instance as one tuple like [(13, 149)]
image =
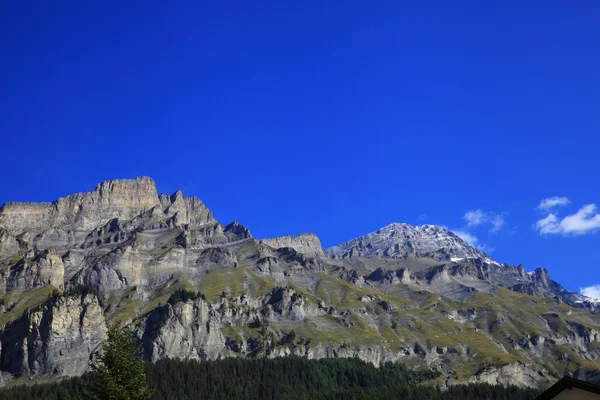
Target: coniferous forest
[(282, 378)]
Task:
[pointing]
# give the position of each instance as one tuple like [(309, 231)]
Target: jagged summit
[(123, 199), (119, 198), (400, 240)]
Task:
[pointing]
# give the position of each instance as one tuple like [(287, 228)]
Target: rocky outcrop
[(46, 268), (540, 276), (390, 277), (236, 231), (407, 241), (22, 217), (215, 257), (189, 211), (119, 269), (305, 243), (8, 244), (58, 339), (518, 374), (183, 330)]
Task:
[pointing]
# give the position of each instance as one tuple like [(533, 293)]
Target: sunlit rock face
[(305, 243), (121, 198)]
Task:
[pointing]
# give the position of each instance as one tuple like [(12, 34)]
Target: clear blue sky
[(330, 117)]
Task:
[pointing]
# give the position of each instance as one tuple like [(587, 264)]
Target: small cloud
[(471, 239), (548, 225), (591, 291), (475, 217), (422, 217), (497, 222), (486, 248), (551, 202), (480, 217), (586, 220)]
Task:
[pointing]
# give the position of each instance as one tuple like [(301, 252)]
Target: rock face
[(407, 241), (519, 374), (188, 210), (57, 339), (191, 287), (184, 330), (8, 243), (305, 243), (83, 211), (46, 268)]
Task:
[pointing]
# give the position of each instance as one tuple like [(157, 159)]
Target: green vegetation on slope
[(29, 300), (234, 282)]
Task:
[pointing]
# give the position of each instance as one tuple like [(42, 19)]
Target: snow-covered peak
[(400, 240)]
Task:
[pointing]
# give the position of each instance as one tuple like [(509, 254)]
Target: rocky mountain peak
[(122, 199), (401, 240), (540, 275), (141, 184), (118, 198)]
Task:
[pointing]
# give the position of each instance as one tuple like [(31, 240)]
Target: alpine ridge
[(191, 287)]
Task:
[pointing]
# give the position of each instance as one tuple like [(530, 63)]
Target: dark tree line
[(281, 378), (184, 295)]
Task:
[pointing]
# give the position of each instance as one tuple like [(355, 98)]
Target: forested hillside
[(281, 378)]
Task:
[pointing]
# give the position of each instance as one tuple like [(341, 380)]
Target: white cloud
[(586, 220), (422, 217), (480, 217), (471, 239), (475, 217), (548, 225), (497, 222), (549, 203), (487, 249), (591, 291)]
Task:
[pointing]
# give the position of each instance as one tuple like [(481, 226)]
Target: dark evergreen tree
[(119, 371)]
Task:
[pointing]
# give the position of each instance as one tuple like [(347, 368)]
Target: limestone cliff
[(57, 339), (121, 198)]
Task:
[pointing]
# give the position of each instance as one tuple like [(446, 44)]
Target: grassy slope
[(19, 302)]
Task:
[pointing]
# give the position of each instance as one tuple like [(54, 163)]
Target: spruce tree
[(119, 371)]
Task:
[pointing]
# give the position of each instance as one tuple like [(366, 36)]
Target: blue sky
[(330, 117)]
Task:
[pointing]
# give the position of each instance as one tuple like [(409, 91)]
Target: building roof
[(568, 383)]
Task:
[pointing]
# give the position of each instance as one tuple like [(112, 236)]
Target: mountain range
[(191, 287)]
